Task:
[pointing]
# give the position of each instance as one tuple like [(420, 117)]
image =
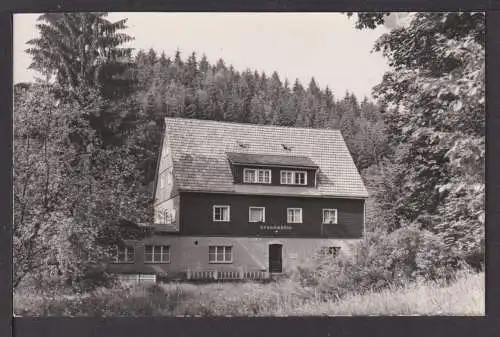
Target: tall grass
[(465, 296)]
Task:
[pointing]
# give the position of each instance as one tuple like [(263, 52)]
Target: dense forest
[(87, 137)]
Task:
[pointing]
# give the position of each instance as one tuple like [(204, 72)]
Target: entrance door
[(275, 258)]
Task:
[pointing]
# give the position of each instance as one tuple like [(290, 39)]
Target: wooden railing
[(226, 275)]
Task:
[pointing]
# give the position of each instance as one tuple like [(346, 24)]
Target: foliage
[(380, 261), (434, 110), (81, 51), (195, 88), (69, 189), (464, 295)]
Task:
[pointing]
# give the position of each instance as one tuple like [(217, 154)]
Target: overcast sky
[(325, 46)]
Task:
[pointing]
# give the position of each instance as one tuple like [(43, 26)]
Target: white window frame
[(330, 210), (263, 214), (169, 217), (228, 213), (331, 251), (160, 217), (288, 214), (256, 179), (216, 248), (162, 253), (286, 173), (129, 254)]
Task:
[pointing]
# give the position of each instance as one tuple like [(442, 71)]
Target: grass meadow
[(463, 296)]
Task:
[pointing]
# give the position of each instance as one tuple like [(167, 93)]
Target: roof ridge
[(251, 124)]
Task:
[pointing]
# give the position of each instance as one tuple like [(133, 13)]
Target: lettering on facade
[(275, 228)]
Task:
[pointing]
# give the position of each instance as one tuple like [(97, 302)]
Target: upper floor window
[(329, 216), (124, 254), (256, 214), (256, 176), (221, 213), (294, 215), (293, 177), (220, 254), (157, 254)]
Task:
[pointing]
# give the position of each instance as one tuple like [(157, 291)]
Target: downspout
[(316, 186)]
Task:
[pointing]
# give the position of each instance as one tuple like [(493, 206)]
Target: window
[(157, 254), (169, 216), (330, 251), (160, 217), (256, 214), (256, 176), (220, 254), (329, 216), (221, 213), (124, 254), (293, 177), (294, 215), (162, 181)]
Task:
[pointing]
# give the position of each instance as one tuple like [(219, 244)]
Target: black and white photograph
[(248, 164)]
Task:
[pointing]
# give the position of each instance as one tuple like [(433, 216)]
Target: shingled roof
[(270, 160), (199, 151)]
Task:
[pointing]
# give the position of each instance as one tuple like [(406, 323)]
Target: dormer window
[(293, 177), (256, 176)]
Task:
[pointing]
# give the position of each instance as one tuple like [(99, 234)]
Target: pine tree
[(82, 52)]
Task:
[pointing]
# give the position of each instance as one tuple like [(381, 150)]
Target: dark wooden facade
[(196, 216)]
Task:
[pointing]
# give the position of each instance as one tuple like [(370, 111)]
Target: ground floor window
[(124, 254), (157, 254), (220, 254), (330, 251)]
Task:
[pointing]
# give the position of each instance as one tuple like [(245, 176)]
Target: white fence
[(137, 278), (226, 275)]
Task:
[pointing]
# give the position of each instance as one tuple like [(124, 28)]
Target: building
[(243, 200)]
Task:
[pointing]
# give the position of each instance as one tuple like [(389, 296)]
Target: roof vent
[(286, 147), (243, 145)]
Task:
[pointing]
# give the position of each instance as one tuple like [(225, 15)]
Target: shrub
[(379, 261)]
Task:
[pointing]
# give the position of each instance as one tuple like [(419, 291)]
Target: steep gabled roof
[(200, 163)]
